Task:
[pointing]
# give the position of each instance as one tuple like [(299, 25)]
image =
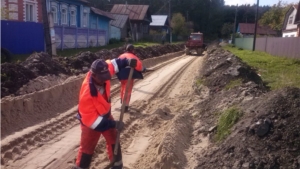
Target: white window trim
[(35, 10), (54, 4), (85, 10), (292, 20), (64, 6), (73, 8)]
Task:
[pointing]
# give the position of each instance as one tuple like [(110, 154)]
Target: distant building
[(119, 26), (77, 25), (139, 18), (297, 20), (247, 30), (160, 23), (289, 25)]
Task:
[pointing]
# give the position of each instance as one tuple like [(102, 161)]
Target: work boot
[(126, 108)]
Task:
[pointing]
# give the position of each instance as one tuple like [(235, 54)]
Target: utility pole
[(255, 29), (170, 21), (234, 26), (46, 28)]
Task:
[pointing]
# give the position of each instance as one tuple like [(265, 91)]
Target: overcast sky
[(261, 2)]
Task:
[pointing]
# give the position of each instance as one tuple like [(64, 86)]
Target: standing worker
[(94, 111), (123, 75)]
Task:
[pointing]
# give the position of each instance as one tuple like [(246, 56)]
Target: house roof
[(297, 19), (158, 20), (103, 13), (85, 1), (248, 28), (135, 12), (288, 13), (120, 20)]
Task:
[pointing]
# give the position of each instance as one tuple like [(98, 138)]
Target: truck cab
[(195, 42)]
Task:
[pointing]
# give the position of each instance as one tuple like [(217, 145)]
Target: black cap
[(129, 48), (100, 68)]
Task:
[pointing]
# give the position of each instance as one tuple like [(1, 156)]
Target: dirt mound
[(13, 76), (42, 64), (222, 67), (279, 148)]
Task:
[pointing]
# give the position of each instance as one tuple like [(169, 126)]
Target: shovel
[(120, 119)]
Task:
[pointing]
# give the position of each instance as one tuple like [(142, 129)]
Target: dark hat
[(129, 48), (100, 68)]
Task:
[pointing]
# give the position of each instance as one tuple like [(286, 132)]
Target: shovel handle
[(120, 119)]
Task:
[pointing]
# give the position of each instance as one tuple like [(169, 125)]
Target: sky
[(261, 2)]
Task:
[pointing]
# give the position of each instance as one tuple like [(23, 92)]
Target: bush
[(114, 40)]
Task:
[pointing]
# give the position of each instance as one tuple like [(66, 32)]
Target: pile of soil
[(221, 67), (13, 76), (279, 148), (246, 147), (41, 64)]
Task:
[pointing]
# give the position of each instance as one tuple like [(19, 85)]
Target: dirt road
[(155, 105)]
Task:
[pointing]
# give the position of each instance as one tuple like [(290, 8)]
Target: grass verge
[(227, 119), (277, 72)]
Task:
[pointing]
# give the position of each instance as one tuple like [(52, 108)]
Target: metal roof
[(158, 20), (248, 28), (120, 20), (135, 12), (103, 13)]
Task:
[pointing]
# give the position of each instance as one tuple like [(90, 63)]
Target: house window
[(64, 16), (29, 12), (85, 19), (292, 35), (54, 13), (73, 16), (291, 19)]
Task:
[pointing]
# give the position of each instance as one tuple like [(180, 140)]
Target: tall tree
[(275, 16)]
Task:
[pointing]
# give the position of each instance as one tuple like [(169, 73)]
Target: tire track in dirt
[(136, 138), (18, 147), (65, 122)]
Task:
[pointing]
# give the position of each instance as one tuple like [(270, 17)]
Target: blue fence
[(72, 37), (22, 37)]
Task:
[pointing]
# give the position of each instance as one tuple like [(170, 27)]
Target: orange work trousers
[(123, 87), (88, 142)]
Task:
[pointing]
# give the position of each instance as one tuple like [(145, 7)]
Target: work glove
[(119, 125), (132, 63), (144, 70)]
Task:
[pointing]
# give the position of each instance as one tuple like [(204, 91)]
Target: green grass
[(277, 72), (227, 119), (233, 84)]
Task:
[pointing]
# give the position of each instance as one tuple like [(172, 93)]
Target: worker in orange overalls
[(123, 75), (94, 111)]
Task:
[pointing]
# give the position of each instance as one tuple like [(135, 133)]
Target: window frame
[(73, 17), (291, 19), (32, 17), (54, 14), (65, 18)]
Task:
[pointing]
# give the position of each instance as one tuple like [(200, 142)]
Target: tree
[(275, 16), (227, 29), (180, 27), (4, 14)]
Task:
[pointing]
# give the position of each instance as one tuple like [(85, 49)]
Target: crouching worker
[(123, 74), (94, 111)]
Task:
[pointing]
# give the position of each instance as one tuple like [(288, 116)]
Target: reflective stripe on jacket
[(94, 106)]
